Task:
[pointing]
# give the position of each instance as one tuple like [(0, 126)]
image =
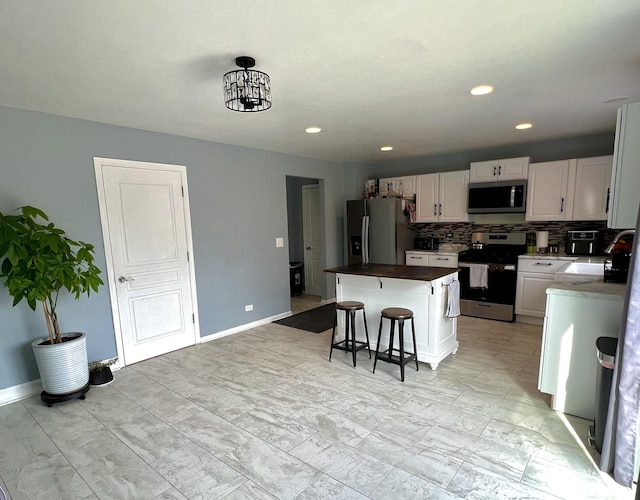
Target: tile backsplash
[(461, 231)]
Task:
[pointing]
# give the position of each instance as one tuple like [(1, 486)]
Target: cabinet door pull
[(494, 170), (442, 258), (440, 209), (543, 264), (606, 210), (562, 205), (435, 209), (499, 169)]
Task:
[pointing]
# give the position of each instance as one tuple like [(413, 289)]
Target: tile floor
[(262, 414)]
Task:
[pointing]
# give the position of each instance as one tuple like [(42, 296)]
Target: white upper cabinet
[(499, 170), (442, 197), (592, 191), (550, 190), (404, 186), (564, 190), (625, 179)]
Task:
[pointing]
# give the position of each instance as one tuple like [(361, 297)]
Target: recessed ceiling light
[(616, 99), (312, 130), (481, 90), (386, 148), (523, 126)]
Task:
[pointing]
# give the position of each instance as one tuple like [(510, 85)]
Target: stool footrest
[(390, 358), (345, 345)]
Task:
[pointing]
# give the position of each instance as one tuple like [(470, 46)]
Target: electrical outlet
[(279, 242), (248, 307)]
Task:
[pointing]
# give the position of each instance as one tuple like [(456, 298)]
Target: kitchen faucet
[(609, 249)]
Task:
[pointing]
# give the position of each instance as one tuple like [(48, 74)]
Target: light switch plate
[(279, 242)]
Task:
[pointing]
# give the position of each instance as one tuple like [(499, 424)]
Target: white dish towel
[(453, 302), (478, 275)]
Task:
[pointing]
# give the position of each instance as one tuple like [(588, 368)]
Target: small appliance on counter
[(430, 243), (583, 243), (616, 267)]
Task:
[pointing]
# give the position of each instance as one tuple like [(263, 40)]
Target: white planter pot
[(63, 368)]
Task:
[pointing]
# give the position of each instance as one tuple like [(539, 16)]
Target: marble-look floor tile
[(343, 463), (272, 469), (384, 418), (14, 415), (197, 474), (170, 494), (48, 478), (110, 406), (213, 433), (452, 417), (400, 484), (82, 446), (123, 475), (326, 487), (475, 483), (149, 437), (332, 424), (222, 402), (250, 491), (279, 430), (490, 455), (23, 445), (568, 483), (413, 457)]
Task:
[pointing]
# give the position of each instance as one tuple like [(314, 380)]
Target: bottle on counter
[(531, 242)]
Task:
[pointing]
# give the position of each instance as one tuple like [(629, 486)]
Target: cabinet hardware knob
[(122, 279)]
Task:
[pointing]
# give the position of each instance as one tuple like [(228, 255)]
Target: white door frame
[(99, 163)]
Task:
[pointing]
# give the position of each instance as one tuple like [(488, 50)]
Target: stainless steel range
[(488, 275)]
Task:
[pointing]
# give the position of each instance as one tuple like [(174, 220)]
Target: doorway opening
[(305, 221)]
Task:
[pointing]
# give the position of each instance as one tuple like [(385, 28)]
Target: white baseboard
[(242, 328), (21, 391)]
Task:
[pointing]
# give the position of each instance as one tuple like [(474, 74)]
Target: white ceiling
[(369, 73)]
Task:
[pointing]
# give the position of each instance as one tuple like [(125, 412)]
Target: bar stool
[(398, 314), (349, 343)]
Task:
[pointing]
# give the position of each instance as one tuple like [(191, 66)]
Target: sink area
[(581, 272)]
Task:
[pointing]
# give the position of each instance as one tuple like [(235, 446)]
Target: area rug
[(314, 320)]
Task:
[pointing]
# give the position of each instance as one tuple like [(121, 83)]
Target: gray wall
[(294, 216), (238, 208), (559, 149)]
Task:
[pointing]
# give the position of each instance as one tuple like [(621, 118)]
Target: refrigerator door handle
[(365, 239)]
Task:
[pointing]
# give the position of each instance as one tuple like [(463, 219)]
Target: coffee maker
[(616, 267)]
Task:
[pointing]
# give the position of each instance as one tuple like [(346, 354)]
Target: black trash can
[(296, 278), (606, 353)]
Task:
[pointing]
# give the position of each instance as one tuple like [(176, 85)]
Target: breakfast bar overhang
[(424, 290)]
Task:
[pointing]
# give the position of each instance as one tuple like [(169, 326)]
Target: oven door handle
[(507, 267)]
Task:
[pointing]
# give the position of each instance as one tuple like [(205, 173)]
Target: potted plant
[(100, 372), (38, 262)]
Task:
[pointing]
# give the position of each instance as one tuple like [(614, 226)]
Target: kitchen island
[(576, 315), (424, 290)]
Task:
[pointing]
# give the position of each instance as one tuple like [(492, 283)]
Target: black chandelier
[(247, 90)]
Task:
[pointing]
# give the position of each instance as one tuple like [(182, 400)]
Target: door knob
[(122, 279), (308, 248)]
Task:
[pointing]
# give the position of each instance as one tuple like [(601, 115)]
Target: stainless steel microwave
[(497, 197)]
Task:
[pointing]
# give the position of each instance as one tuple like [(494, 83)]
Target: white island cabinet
[(436, 334), (576, 315)]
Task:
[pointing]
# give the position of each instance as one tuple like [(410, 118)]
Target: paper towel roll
[(542, 239)]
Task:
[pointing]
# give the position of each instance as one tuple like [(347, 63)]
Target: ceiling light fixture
[(481, 90), (386, 148), (313, 130), (615, 100), (247, 90), (523, 126)]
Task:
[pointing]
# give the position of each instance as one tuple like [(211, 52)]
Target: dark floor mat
[(314, 320)]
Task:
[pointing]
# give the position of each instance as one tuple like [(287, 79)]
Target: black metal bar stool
[(350, 344), (398, 314)]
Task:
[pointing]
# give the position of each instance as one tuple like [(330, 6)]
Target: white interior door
[(146, 229), (312, 236)]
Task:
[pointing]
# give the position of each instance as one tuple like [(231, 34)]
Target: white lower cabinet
[(431, 259), (534, 276)]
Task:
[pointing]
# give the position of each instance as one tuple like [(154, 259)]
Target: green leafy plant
[(98, 366), (39, 260)]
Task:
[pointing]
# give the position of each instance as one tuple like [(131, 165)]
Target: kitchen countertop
[(433, 252), (416, 273), (549, 256), (594, 289)]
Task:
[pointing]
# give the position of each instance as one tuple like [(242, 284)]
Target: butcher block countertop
[(416, 273)]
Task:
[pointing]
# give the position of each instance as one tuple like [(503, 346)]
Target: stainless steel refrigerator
[(377, 231)]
